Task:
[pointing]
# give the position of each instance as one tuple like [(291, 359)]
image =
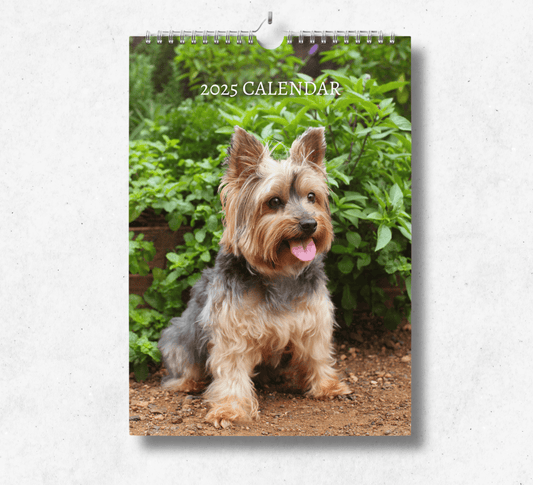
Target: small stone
[(356, 336), (199, 426), (140, 404), (406, 358), (155, 409), (176, 421), (343, 357), (387, 375), (390, 344), (407, 327), (135, 418), (387, 431), (374, 383)]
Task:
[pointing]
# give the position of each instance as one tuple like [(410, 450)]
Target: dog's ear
[(244, 154), (310, 148)]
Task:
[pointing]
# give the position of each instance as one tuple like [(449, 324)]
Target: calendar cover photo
[(270, 237)]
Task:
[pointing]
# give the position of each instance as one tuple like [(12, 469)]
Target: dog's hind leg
[(185, 365)]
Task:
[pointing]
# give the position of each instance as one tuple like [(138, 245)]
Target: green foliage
[(387, 63), (141, 88), (145, 330), (194, 123), (186, 192), (140, 253), (233, 63), (154, 85), (177, 153), (201, 210)]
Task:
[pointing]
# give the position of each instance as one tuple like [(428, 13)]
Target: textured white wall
[(63, 249)]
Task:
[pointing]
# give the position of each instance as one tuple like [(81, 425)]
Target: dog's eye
[(274, 203), (311, 197)]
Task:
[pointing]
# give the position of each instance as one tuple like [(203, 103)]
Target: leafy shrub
[(387, 63), (141, 89), (201, 209), (145, 330), (140, 253), (154, 172), (233, 63), (186, 191), (194, 123)]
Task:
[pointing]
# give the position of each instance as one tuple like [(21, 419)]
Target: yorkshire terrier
[(267, 294)]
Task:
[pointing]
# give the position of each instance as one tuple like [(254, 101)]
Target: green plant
[(203, 214), (233, 64), (145, 330), (387, 63), (145, 324), (140, 81), (140, 254), (194, 123), (186, 192)]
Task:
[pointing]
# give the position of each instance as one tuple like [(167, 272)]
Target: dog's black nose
[(308, 226)]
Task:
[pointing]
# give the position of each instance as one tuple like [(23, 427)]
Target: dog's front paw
[(219, 423), (231, 411), (330, 388)]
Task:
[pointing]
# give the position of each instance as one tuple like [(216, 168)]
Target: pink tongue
[(307, 254)]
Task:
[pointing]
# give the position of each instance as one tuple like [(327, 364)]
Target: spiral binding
[(228, 34), (239, 34)]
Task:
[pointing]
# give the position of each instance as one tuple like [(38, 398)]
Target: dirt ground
[(373, 361)]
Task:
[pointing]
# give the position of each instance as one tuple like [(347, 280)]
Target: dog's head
[(276, 212)]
